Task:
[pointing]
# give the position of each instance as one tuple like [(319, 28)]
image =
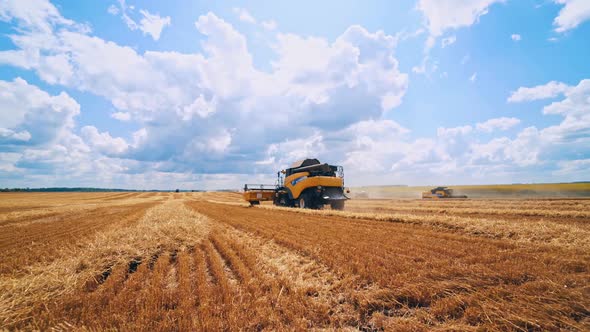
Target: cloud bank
[(214, 119)]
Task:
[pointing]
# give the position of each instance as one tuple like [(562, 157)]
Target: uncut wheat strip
[(169, 224)]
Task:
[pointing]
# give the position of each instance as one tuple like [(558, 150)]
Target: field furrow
[(541, 232), (482, 209), (105, 259), (41, 242)]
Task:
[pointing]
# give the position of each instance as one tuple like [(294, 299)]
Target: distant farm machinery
[(441, 193)]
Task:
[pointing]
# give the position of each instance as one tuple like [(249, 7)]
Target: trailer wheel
[(337, 205), (252, 203)]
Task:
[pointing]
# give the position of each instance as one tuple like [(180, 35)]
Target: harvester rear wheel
[(337, 205)]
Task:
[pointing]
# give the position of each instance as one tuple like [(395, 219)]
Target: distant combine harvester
[(441, 193)]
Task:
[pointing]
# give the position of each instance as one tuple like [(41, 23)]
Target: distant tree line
[(84, 189), (60, 189)]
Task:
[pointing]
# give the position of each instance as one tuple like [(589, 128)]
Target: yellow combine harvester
[(307, 184), (440, 193)]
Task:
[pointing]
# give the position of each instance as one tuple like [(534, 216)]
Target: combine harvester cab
[(307, 184), (441, 193)]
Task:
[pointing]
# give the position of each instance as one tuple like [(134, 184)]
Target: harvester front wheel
[(337, 205), (304, 202)]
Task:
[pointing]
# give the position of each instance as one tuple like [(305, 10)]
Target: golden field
[(516, 191), (208, 261)]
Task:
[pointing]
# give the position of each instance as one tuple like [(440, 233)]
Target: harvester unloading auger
[(307, 184)]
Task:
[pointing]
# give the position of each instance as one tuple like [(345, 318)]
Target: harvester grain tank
[(306, 184), (441, 193)]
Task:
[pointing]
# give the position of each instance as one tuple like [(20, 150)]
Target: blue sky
[(147, 94)]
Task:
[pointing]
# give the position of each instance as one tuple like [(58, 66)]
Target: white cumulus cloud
[(212, 117), (448, 41), (30, 116), (550, 90), (269, 25), (244, 15), (149, 24), (442, 15), (121, 116), (11, 135), (573, 13), (503, 123), (113, 10), (153, 24), (568, 140), (103, 142), (331, 86)]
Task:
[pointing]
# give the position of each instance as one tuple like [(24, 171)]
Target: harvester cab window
[(280, 178)]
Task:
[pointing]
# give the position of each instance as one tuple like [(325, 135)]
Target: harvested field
[(206, 261), (555, 209), (512, 191)]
